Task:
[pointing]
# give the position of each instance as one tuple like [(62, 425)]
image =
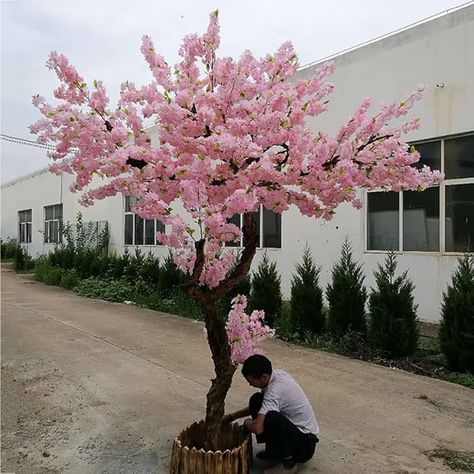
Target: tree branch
[(243, 267)]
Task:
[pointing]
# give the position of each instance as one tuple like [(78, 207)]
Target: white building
[(428, 229)]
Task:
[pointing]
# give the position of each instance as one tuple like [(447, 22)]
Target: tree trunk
[(215, 326), (224, 370)]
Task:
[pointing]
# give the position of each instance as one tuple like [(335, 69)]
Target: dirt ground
[(96, 387)]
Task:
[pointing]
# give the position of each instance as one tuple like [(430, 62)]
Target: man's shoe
[(280, 469)]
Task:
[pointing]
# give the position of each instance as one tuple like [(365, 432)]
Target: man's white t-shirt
[(283, 394)]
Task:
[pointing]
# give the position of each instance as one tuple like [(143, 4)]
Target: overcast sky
[(102, 39)]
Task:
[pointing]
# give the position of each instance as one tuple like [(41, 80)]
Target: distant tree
[(346, 295), (392, 311), (307, 297), (266, 290), (456, 333)]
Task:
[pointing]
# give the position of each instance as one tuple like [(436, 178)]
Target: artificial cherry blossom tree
[(231, 136)]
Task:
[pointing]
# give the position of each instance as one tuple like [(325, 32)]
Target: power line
[(26, 142)]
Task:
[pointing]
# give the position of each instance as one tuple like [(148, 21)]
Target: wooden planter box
[(235, 457)]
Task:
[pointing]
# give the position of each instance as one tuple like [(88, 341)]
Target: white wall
[(37, 190), (440, 51)]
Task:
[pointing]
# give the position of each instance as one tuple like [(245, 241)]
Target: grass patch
[(457, 460)]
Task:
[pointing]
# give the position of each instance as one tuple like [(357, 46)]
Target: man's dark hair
[(256, 365)]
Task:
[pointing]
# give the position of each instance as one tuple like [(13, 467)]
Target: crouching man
[(281, 416)]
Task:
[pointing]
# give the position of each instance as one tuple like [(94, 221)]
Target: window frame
[(260, 246), (134, 216), (27, 225), (442, 206), (47, 239)]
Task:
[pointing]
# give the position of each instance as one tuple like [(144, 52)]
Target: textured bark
[(224, 371)]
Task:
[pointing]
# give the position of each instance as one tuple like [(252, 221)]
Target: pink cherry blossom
[(245, 331), (231, 135)]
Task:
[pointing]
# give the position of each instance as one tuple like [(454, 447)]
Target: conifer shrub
[(456, 333), (132, 270), (266, 290), (307, 314), (346, 295), (392, 311), (116, 265), (150, 270), (170, 277)]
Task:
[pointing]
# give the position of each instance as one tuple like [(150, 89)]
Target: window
[(460, 218), (24, 226), (139, 231), (271, 229), (268, 225), (383, 221), (53, 216), (421, 220), (439, 219), (459, 157)]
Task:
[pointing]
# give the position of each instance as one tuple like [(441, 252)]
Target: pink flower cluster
[(231, 136), (245, 331)]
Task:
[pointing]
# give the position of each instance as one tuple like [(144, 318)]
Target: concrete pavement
[(91, 386)]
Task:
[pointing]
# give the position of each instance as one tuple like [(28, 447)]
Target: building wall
[(436, 52)]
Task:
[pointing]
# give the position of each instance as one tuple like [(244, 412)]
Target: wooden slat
[(218, 466), (209, 462), (185, 460), (234, 463), (175, 457), (193, 455), (188, 457), (244, 465), (201, 464), (226, 461)]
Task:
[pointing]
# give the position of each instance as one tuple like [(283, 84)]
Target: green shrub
[(456, 333), (8, 249), (42, 267), (392, 311), (53, 276), (83, 262), (69, 279), (22, 261), (150, 270), (46, 273), (346, 295), (132, 271), (284, 325), (178, 303), (306, 297), (116, 265), (266, 290), (108, 290), (170, 277)]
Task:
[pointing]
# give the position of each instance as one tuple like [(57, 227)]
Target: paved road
[(96, 387)]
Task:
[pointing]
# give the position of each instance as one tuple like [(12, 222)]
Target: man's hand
[(227, 418), (255, 426)]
